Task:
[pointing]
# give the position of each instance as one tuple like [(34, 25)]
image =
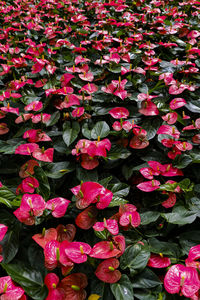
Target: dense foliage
[(100, 184)]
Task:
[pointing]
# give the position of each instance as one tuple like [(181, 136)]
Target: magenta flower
[(55, 293), (177, 103), (46, 236), (35, 106), (26, 149), (29, 184), (31, 206), (130, 217), (149, 186), (193, 256), (166, 129), (76, 251), (58, 206), (158, 261), (44, 118), (119, 113), (36, 135), (43, 155), (107, 270), (182, 279), (78, 112), (3, 230), (170, 118), (110, 225), (90, 88), (171, 200), (9, 290), (104, 250)]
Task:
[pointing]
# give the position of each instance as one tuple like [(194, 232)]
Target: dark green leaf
[(101, 129), (146, 279), (122, 290), (149, 217), (44, 188), (71, 132)]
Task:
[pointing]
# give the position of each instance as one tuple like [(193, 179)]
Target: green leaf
[(151, 126), (122, 290), (57, 170), (29, 279), (71, 131), (54, 119), (149, 217), (101, 129), (119, 189), (117, 152), (44, 188), (11, 243), (85, 175), (135, 258), (182, 161), (146, 279), (86, 131), (117, 201), (102, 289), (6, 196), (166, 248), (180, 215)]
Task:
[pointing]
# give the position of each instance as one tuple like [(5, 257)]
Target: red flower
[(43, 155), (46, 236), (74, 285), (87, 218), (158, 261), (58, 206), (106, 271)]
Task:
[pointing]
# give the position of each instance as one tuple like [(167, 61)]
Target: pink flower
[(110, 225), (158, 261), (58, 206), (43, 155), (76, 251), (26, 149), (119, 113), (92, 192), (46, 236), (139, 141), (166, 129), (44, 118), (9, 290), (87, 76), (90, 88), (55, 293), (149, 186), (31, 206), (170, 118), (77, 112), (177, 103), (193, 256), (130, 217), (3, 230), (171, 201), (106, 270), (36, 135), (148, 108), (104, 250), (35, 106), (181, 278), (29, 184)]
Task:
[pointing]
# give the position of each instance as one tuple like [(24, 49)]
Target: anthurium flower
[(77, 112), (36, 135), (148, 108), (139, 141), (110, 225), (23, 118), (31, 206), (170, 171), (171, 200), (170, 118), (106, 271), (87, 218), (148, 173), (193, 257), (158, 261), (74, 285), (98, 148), (66, 233), (3, 230), (9, 290), (90, 88), (92, 192), (76, 251), (166, 129), (54, 255), (119, 113), (130, 217), (183, 146), (182, 279), (29, 184), (26, 149), (177, 103), (55, 293), (149, 186), (46, 236), (10, 109), (58, 206), (3, 128), (44, 118), (104, 250), (27, 169), (43, 155), (35, 106), (89, 162)]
